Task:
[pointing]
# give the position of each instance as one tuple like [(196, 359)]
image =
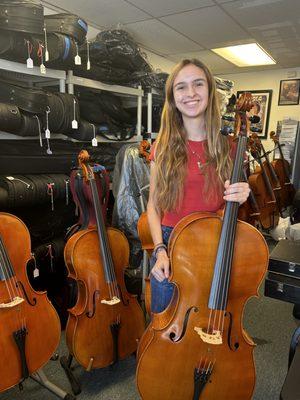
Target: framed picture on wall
[(261, 107), (289, 92)]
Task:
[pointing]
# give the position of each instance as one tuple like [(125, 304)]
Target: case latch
[(292, 267)]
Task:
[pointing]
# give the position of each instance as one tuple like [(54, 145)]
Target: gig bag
[(22, 16), (67, 24)]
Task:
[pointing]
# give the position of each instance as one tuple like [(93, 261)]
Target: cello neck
[(104, 248), (221, 278)]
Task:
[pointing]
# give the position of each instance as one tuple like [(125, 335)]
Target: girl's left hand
[(238, 192)]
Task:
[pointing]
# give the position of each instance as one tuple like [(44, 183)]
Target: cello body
[(31, 320), (89, 338), (171, 349)]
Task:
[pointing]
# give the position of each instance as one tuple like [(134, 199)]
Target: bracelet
[(158, 247)]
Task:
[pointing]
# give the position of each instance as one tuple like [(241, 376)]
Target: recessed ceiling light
[(245, 55)]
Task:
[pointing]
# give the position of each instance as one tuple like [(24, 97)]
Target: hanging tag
[(77, 57), (41, 56), (88, 64), (47, 134), (74, 122), (46, 46), (43, 69), (94, 140), (36, 272), (77, 60), (29, 62), (47, 130)]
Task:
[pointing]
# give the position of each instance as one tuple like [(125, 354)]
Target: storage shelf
[(79, 81), (34, 73)]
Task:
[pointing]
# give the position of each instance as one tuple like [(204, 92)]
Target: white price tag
[(46, 55), (47, 134), (94, 142), (77, 60), (43, 69), (36, 272), (29, 62), (74, 124)]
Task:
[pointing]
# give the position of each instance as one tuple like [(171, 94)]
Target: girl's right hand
[(161, 269)]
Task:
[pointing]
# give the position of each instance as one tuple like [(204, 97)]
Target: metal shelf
[(20, 72), (79, 81)]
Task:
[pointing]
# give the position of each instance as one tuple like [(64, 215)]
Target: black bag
[(283, 280), (10, 118), (68, 24), (27, 99), (32, 190), (22, 16)]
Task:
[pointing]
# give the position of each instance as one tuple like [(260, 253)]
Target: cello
[(282, 168), (30, 327), (262, 189), (106, 322), (197, 349)]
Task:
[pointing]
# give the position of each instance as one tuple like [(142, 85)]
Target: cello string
[(6, 270), (9, 276), (227, 239)]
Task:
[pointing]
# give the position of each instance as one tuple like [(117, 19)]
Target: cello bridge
[(15, 302), (111, 302), (212, 338)]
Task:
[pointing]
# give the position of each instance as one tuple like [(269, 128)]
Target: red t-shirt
[(194, 198)]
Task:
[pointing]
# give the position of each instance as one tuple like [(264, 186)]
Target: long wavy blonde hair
[(171, 146)]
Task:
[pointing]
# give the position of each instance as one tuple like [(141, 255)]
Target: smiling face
[(190, 91)]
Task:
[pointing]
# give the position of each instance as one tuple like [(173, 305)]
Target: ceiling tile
[(210, 27), (159, 38), (158, 8), (258, 13), (104, 13)]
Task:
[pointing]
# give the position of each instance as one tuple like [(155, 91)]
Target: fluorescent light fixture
[(245, 55)]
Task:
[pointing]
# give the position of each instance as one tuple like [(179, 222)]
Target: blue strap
[(67, 47)]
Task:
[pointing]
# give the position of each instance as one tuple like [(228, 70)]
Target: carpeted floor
[(269, 322)]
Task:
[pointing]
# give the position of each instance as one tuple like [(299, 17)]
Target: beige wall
[(268, 80)]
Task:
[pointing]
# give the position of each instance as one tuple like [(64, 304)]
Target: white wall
[(268, 80)]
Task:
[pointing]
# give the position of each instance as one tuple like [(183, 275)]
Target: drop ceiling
[(176, 29)]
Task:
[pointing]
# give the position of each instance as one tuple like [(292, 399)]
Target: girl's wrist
[(160, 248)]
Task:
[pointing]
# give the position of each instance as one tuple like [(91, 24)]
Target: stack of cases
[(283, 279)]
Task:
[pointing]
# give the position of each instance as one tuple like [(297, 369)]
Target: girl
[(190, 165)]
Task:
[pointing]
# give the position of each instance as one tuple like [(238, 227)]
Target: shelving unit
[(18, 71)]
